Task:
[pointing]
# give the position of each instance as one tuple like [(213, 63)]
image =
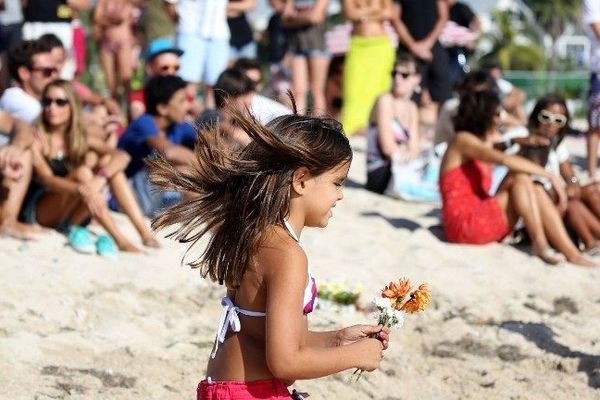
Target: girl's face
[(325, 191), (57, 109), (404, 79), (551, 120)]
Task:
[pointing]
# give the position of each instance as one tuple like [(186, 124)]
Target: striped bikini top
[(229, 313)]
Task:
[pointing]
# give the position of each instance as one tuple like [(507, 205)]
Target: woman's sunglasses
[(546, 117), (404, 75), (47, 101)]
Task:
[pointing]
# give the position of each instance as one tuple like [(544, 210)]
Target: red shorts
[(268, 389)]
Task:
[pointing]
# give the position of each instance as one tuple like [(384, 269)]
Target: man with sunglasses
[(162, 59), (32, 67), (591, 22)]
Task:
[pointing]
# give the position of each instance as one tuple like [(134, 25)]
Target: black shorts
[(436, 74)]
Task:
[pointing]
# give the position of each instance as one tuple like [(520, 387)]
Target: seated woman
[(393, 125), (70, 176), (550, 119), (471, 215)]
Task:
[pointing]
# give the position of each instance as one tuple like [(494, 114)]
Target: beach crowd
[(243, 136)]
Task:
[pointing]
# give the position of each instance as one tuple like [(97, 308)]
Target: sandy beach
[(502, 325)]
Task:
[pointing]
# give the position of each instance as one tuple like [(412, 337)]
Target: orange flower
[(418, 300), (396, 290)]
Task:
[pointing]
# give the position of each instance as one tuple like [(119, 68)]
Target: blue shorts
[(246, 51), (594, 102), (150, 199), (203, 59)]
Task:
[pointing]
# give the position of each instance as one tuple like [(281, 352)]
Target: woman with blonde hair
[(70, 175)]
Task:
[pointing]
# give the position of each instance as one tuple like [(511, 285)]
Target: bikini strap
[(290, 230), (230, 318)]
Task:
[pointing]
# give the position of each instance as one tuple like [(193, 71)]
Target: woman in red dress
[(471, 215)]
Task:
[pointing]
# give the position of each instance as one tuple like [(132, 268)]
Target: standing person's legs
[(215, 62), (317, 65), (437, 82), (124, 65), (300, 81), (108, 64), (192, 60), (594, 125)]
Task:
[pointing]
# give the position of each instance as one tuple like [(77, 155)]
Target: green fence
[(573, 85)]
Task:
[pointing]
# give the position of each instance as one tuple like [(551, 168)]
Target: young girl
[(471, 215), (70, 173), (393, 125), (255, 203), (550, 119)]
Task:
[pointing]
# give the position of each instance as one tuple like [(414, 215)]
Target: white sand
[(502, 325)]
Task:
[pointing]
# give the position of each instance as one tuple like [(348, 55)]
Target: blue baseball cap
[(159, 46)]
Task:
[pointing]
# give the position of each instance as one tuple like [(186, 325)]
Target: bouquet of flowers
[(395, 301)]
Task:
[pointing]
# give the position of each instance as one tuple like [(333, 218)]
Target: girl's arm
[(475, 149), (414, 140), (173, 152), (384, 116), (47, 178), (288, 352)]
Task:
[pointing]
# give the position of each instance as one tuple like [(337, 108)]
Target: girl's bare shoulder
[(280, 252)]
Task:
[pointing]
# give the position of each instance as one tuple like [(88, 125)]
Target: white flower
[(382, 303), (398, 319)]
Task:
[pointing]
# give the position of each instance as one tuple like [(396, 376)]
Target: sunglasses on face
[(47, 101), (403, 74), (167, 68), (46, 72), (546, 117)]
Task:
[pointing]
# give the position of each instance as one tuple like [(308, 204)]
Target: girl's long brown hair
[(235, 196), (76, 141)]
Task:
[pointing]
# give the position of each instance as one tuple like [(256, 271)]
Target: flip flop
[(106, 247), (80, 240)]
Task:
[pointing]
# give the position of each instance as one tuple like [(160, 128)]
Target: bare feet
[(18, 230), (151, 242), (549, 256), (583, 261), (593, 251), (128, 247)]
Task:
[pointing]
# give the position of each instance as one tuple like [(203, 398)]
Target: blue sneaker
[(106, 247), (80, 240)]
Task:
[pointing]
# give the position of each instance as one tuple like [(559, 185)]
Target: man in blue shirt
[(162, 129)]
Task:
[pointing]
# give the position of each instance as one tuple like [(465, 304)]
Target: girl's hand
[(357, 332), (92, 199), (560, 192), (371, 353)]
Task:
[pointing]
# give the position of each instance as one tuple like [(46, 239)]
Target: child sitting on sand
[(254, 204)]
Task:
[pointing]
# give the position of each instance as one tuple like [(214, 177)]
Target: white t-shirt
[(20, 104), (591, 15), (264, 109), (207, 18)]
